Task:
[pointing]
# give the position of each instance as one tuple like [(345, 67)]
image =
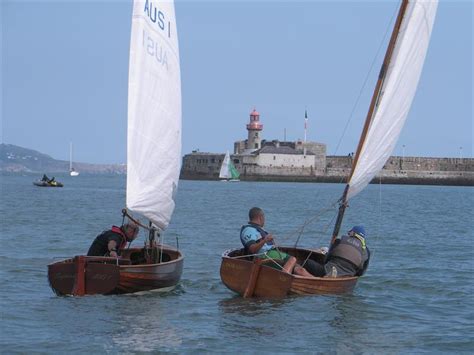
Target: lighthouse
[(254, 127)]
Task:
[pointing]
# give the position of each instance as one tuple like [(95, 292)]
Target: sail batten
[(154, 112), (396, 94)]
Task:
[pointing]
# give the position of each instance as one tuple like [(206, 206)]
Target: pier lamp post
[(460, 152)]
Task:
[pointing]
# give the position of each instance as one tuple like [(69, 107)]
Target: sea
[(416, 297)]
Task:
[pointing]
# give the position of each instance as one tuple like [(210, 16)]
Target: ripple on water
[(416, 296)]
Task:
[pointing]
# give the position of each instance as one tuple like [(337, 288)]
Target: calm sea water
[(417, 295)]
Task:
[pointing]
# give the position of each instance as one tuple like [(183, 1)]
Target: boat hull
[(46, 184), (84, 275), (250, 278)]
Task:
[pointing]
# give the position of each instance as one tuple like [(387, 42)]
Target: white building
[(275, 154)]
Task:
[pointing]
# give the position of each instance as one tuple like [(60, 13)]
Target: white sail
[(225, 168), (397, 93), (154, 112), (72, 172)]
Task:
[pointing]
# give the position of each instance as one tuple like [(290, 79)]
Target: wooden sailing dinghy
[(153, 164), (391, 101)]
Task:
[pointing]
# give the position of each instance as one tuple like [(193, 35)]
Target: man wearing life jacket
[(348, 255), (112, 241), (259, 242)]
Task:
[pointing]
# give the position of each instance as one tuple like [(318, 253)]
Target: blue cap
[(358, 230)]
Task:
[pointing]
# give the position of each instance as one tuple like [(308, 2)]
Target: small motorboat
[(53, 183)]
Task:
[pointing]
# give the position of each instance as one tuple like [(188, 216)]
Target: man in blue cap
[(347, 256)]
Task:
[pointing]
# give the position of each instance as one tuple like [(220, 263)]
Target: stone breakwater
[(397, 170)]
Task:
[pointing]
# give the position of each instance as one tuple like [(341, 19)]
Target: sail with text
[(154, 112)]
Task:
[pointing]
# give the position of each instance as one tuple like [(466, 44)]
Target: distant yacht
[(228, 171), (72, 172)]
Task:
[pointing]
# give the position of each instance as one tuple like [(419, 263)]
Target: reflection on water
[(251, 307), (410, 301), (144, 326), (352, 321), (252, 318)]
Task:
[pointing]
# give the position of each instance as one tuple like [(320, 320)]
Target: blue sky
[(65, 67)]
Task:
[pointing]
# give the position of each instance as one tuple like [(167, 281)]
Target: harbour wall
[(397, 170)]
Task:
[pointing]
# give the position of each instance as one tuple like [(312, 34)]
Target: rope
[(161, 241), (314, 219), (379, 222), (300, 230), (136, 221), (268, 257), (365, 82)]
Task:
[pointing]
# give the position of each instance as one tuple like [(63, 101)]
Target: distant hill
[(16, 159)]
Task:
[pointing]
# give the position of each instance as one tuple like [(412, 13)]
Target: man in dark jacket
[(347, 256), (111, 242)]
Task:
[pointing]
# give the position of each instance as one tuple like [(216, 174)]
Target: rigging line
[(129, 216), (268, 258), (323, 233), (379, 222), (365, 81), (246, 256), (310, 220), (161, 241)]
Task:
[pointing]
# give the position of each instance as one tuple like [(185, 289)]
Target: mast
[(70, 156), (370, 114)]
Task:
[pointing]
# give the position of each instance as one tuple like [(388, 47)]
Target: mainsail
[(154, 112), (393, 95), (225, 168), (397, 91)]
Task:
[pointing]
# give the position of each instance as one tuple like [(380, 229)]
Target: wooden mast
[(370, 114)]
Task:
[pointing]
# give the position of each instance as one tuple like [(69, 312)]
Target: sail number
[(154, 49), (157, 16)]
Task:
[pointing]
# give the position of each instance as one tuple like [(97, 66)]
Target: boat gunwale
[(112, 259), (226, 253)]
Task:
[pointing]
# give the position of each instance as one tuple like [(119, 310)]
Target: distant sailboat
[(153, 165), (72, 172), (228, 171), (391, 101)]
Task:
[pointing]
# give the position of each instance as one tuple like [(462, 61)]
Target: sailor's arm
[(112, 247), (255, 247)]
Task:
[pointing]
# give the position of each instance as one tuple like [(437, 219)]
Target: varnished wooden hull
[(83, 275), (251, 279)]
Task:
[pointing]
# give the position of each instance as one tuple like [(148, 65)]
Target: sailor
[(111, 242), (347, 256), (259, 242)]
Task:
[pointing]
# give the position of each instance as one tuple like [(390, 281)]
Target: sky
[(64, 74)]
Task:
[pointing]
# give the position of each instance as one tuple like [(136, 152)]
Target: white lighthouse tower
[(254, 127)]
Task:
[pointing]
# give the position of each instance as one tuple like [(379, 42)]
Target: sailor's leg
[(289, 265)]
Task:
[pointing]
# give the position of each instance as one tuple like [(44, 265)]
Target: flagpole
[(305, 129)]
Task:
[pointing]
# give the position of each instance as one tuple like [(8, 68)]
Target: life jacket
[(123, 243), (351, 249), (262, 232)]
